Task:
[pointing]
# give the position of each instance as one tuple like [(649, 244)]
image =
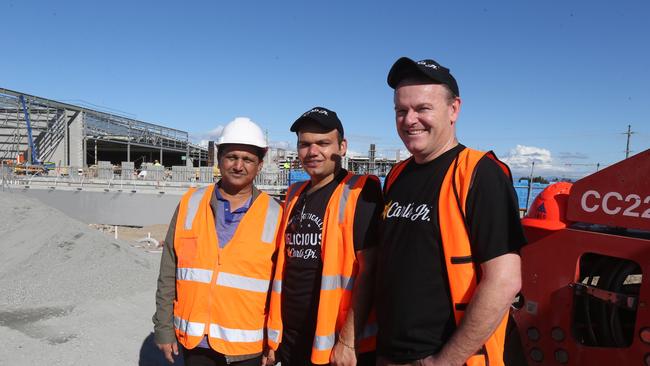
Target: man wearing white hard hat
[(218, 259)]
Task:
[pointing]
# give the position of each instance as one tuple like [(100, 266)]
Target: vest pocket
[(461, 260), (186, 251)]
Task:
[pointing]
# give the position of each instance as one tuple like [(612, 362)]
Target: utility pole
[(629, 133), (530, 186)]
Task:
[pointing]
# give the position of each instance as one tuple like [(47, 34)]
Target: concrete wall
[(95, 206), (77, 141), (75, 149)]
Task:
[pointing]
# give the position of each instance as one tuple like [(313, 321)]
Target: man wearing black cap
[(448, 267), (325, 273)]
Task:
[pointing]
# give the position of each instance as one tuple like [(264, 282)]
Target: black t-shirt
[(303, 261), (414, 309)]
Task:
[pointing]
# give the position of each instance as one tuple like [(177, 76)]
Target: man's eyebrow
[(315, 142)]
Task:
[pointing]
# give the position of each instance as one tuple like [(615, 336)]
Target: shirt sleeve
[(367, 214), (493, 213), (166, 292)]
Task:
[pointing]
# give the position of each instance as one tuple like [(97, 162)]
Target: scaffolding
[(63, 132)]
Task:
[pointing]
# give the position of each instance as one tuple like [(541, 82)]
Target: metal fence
[(272, 178), (127, 171), (182, 174), (274, 181), (6, 175)]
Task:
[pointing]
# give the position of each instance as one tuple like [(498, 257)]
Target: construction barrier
[(128, 170)]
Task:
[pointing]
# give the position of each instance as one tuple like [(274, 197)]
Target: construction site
[(51, 149), (87, 195)]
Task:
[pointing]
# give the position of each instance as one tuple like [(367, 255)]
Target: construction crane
[(33, 152), (33, 165)]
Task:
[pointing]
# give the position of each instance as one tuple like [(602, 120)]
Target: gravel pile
[(70, 295)]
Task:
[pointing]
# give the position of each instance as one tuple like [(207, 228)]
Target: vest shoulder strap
[(271, 221), (394, 172), (506, 169), (193, 204), (350, 182), (470, 157), (293, 190)]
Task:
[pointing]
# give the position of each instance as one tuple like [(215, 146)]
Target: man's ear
[(454, 110)]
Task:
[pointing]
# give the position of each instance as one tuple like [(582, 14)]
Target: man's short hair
[(339, 137), (419, 79)]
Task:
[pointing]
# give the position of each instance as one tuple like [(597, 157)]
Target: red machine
[(584, 299)]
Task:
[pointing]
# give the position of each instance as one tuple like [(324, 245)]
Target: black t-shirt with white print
[(414, 310), (303, 262)]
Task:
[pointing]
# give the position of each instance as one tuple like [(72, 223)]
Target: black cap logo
[(315, 110), (426, 63)]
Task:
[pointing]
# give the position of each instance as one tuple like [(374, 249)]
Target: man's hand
[(343, 355), (489, 305), (268, 357), (167, 349)]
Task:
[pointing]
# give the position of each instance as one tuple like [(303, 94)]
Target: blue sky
[(552, 81)]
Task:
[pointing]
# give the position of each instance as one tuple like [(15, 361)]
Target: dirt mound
[(70, 294)]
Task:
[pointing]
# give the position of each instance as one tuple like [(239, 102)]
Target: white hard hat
[(243, 131)]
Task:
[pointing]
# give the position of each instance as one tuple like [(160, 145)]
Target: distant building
[(72, 135)]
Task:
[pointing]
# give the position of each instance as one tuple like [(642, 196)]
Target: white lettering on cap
[(316, 110), (424, 63)]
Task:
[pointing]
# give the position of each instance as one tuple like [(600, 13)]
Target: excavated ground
[(72, 295)]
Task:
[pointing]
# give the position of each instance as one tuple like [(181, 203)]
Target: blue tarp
[(297, 176), (522, 192), (521, 187)]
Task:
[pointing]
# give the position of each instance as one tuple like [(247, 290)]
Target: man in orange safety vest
[(218, 260), (448, 266)]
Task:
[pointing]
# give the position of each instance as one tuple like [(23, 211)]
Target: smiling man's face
[(425, 117)]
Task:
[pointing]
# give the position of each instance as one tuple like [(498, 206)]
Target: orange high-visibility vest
[(340, 268), (461, 270), (222, 292)]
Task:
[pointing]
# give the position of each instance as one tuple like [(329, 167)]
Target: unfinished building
[(42, 130)]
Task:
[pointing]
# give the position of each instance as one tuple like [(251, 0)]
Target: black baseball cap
[(405, 67), (322, 116)]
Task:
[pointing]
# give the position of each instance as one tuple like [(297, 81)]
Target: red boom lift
[(584, 300)]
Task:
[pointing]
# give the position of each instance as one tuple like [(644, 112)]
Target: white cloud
[(202, 138), (521, 158)]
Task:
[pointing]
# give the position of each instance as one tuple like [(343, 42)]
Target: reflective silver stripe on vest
[(346, 193), (189, 328), (293, 189), (242, 283), (193, 206), (370, 330), (337, 281), (277, 286), (323, 343), (194, 274), (271, 221), (236, 335), (273, 334)]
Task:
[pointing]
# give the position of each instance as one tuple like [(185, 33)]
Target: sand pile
[(70, 295)]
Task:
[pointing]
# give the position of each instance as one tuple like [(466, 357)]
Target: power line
[(597, 165)]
